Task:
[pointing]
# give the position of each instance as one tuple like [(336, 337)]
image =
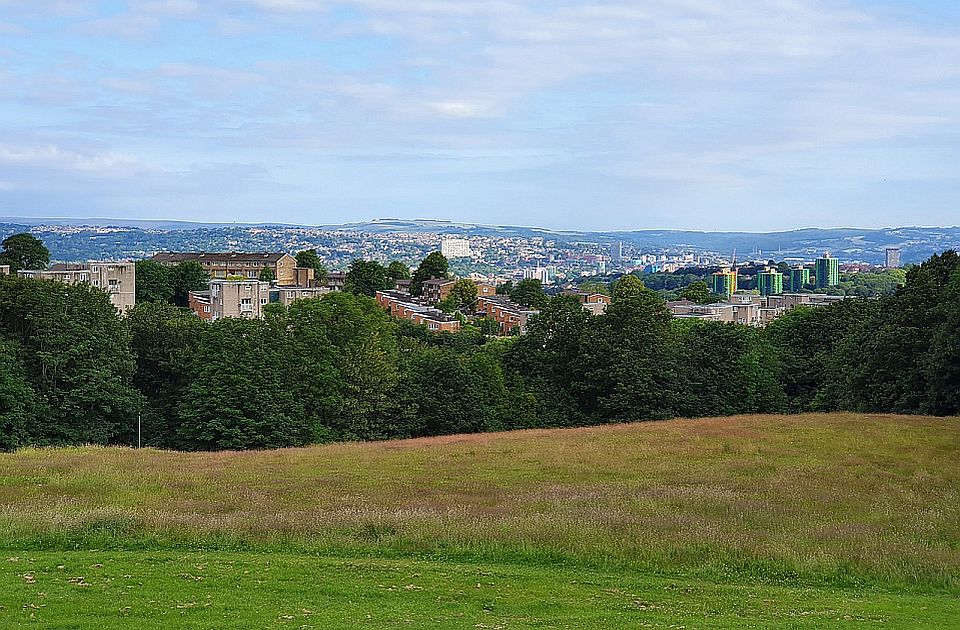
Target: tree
[(396, 270), (242, 394), (435, 265), (24, 251), (164, 340), (366, 277), (464, 293), (529, 293), (625, 368), (154, 282), (267, 275), (76, 357), (17, 400), (506, 288), (309, 259), (186, 277), (698, 292)]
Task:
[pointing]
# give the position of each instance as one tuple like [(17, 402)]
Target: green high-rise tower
[(827, 271), (770, 282), (797, 279)]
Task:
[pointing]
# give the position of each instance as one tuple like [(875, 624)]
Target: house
[(4, 270)]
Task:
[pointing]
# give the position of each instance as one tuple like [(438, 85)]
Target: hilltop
[(833, 518)]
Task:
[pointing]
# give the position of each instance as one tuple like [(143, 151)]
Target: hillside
[(844, 514)]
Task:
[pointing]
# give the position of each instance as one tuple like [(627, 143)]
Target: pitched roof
[(179, 257)]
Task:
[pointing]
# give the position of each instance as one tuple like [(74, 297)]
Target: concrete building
[(238, 298), (336, 280), (826, 271), (118, 279), (616, 252), (289, 295), (538, 273), (455, 248), (436, 289), (221, 265), (593, 303), (770, 282), (4, 270), (892, 257), (402, 305)]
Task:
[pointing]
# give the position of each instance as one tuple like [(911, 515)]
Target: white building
[(540, 273), (118, 279), (455, 248)]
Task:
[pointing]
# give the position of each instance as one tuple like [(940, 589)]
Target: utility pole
[(138, 429)]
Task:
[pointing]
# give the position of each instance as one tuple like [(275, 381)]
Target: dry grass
[(845, 497)]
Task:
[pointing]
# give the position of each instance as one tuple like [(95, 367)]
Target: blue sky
[(603, 114)]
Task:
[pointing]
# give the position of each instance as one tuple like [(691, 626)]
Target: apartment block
[(508, 314), (246, 298), (4, 270), (826, 271), (118, 279), (455, 248), (402, 305), (724, 282), (436, 289), (222, 265), (770, 282)]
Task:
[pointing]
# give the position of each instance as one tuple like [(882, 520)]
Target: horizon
[(578, 116), (102, 222)]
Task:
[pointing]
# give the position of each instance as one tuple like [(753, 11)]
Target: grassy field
[(767, 521)]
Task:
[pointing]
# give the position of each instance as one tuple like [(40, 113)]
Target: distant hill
[(865, 244)]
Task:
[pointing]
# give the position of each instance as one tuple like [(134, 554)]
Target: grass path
[(106, 590)]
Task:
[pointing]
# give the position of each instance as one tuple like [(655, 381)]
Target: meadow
[(752, 521)]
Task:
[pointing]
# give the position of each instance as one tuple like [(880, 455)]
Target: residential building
[(486, 289), (616, 252), (827, 271), (797, 279), (538, 273), (402, 305), (4, 270), (892, 257), (724, 282), (770, 282), (511, 316), (436, 289), (118, 279), (288, 295), (237, 298), (593, 303), (455, 248), (222, 265), (336, 280)]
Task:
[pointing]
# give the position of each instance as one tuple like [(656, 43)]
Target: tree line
[(73, 371)]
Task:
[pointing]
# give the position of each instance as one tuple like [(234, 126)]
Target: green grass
[(754, 521), (246, 590)]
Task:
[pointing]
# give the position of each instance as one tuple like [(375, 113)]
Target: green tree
[(76, 356), (698, 292), (396, 270), (464, 294), (309, 259), (435, 265), (24, 251), (543, 363), (529, 293), (243, 393), (164, 341), (625, 369), (17, 399), (366, 277), (186, 277), (267, 275), (348, 347), (154, 282)]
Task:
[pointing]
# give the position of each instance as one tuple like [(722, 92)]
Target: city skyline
[(569, 116)]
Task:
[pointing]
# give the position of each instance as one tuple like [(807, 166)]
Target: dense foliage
[(335, 368)]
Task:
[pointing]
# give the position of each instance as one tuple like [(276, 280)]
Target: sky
[(606, 114)]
